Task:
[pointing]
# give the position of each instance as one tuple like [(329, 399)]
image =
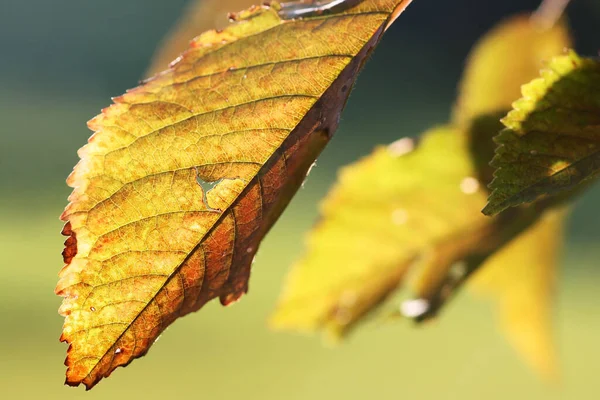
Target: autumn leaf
[(551, 144), (409, 211), (521, 278), (185, 174)]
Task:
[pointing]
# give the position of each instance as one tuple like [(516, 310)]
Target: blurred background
[(62, 61)]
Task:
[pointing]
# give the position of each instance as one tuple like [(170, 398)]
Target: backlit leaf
[(508, 56), (393, 210), (186, 173), (521, 278), (552, 141)]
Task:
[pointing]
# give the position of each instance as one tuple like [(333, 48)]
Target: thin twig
[(308, 8), (549, 12)]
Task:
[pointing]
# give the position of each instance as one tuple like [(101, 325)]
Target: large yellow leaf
[(508, 56), (551, 144), (522, 278), (187, 173)]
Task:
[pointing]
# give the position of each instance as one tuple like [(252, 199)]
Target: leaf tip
[(396, 13), (490, 210), (495, 204)]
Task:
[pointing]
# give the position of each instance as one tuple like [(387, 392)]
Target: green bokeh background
[(60, 63)]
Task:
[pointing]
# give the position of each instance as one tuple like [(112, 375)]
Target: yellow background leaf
[(508, 56), (185, 174), (385, 212), (521, 277)]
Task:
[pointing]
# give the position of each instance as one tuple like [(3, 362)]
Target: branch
[(549, 12)]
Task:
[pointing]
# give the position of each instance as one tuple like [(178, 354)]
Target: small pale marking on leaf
[(399, 216), (348, 299), (414, 308), (469, 185), (402, 146)]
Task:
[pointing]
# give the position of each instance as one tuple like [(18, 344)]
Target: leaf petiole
[(549, 12)]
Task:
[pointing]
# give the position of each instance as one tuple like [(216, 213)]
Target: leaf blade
[(367, 239), (185, 174), (521, 278)]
